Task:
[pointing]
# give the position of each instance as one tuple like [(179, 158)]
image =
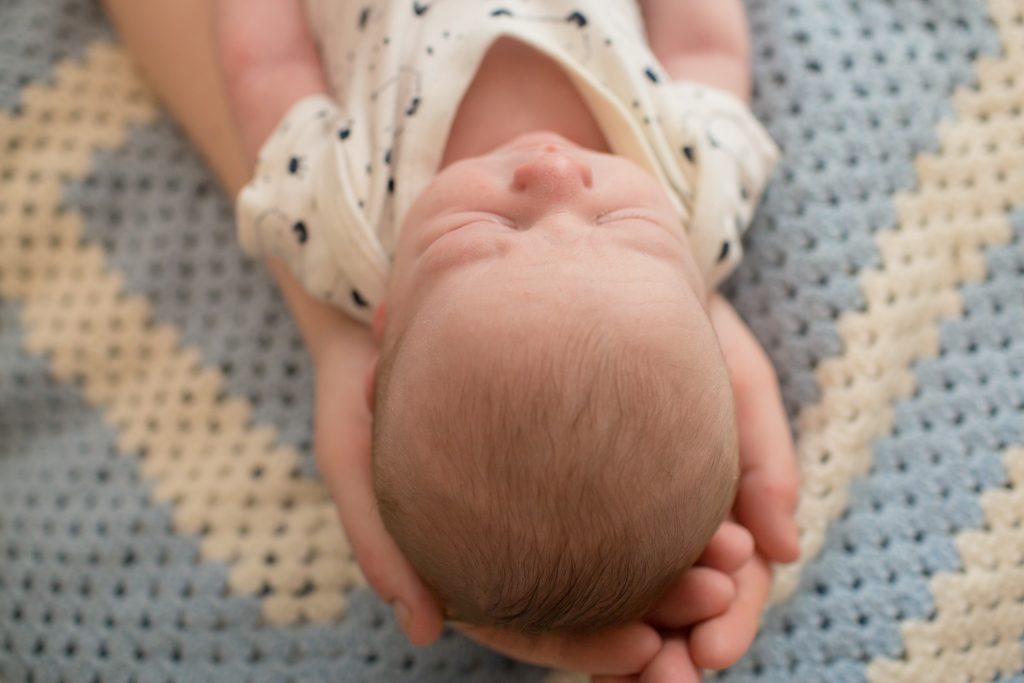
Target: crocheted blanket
[(160, 517)]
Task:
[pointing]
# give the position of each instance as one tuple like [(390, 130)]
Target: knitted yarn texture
[(160, 515)]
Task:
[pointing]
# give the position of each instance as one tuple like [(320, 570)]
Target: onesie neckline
[(424, 144)]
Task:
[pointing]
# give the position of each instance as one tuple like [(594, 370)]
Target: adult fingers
[(701, 593), (764, 504), (767, 495), (672, 664), (729, 549), (720, 642), (769, 477)]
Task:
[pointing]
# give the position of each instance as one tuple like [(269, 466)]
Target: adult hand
[(715, 643), (343, 433), (623, 652), (767, 495)]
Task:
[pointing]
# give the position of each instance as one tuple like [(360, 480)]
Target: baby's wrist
[(720, 70)]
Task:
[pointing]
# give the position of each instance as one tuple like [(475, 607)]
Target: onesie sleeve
[(721, 159), (301, 207)]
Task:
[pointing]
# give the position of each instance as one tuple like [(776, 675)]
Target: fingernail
[(402, 615)]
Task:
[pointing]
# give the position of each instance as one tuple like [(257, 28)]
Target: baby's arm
[(269, 62), (701, 40)]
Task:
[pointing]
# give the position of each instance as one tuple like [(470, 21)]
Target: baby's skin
[(488, 222), (528, 181)]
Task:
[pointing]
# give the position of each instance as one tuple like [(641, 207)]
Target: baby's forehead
[(525, 339)]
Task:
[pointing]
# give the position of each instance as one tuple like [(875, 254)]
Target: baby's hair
[(554, 488)]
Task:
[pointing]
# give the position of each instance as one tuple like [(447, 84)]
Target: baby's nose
[(553, 174)]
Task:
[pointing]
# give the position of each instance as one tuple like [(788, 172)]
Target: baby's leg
[(172, 42)]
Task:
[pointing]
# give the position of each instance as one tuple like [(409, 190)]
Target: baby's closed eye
[(599, 217), (464, 219), (628, 214)]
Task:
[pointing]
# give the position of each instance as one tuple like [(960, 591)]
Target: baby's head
[(554, 437)]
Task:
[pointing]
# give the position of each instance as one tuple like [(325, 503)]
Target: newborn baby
[(554, 437)]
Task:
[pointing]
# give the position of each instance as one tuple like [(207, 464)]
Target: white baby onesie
[(335, 180)]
